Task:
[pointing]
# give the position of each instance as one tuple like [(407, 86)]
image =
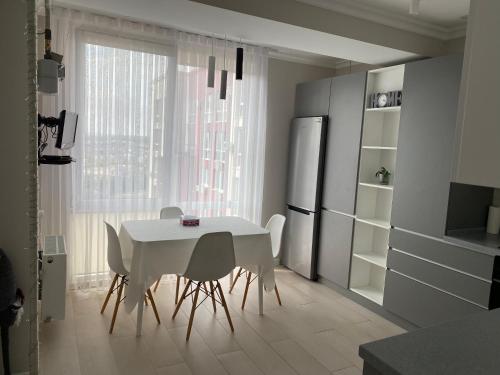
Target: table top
[(461, 347), (172, 230)]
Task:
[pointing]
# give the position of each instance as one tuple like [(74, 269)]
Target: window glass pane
[(123, 122)]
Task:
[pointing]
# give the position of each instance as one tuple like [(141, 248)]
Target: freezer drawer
[(301, 242)]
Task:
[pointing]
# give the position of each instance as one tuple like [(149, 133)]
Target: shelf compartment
[(381, 130), (374, 203), (379, 148), (376, 186), (384, 109), (371, 242), (376, 259), (371, 293), (372, 160), (367, 279)]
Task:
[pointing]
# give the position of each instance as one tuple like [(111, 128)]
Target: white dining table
[(164, 246)]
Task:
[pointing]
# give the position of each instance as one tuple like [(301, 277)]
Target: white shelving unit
[(384, 109), (374, 200)]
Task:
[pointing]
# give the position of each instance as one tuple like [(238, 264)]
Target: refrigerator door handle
[(299, 209)]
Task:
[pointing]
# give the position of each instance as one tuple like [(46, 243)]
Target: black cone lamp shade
[(239, 63), (211, 71), (223, 84)]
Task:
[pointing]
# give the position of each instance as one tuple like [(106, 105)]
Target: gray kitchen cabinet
[(422, 304), (425, 146), (431, 280), (312, 98), (456, 283), (478, 133), (334, 257), (347, 99)]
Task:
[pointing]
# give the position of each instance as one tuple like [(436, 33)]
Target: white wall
[(17, 209), (283, 77)]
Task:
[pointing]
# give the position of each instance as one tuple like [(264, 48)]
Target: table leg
[(140, 310), (261, 292)]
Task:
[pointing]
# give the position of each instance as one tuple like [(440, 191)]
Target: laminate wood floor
[(316, 331)]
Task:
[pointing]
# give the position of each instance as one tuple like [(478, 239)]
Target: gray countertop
[(462, 347), (475, 239)]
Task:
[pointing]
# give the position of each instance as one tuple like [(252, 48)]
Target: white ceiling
[(443, 19), (199, 18)]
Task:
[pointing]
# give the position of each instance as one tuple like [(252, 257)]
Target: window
[(124, 115)]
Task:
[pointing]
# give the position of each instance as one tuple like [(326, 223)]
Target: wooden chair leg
[(277, 293), (212, 293), (177, 284), (145, 300), (110, 291), (118, 298), (157, 284), (235, 279), (193, 309), (153, 305), (183, 296), (223, 300), (246, 290)]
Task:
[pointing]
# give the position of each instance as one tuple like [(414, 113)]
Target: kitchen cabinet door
[(425, 145), (343, 141), (334, 257), (312, 98)]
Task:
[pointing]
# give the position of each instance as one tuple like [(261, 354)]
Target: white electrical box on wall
[(53, 278)]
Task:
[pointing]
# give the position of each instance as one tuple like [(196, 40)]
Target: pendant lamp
[(223, 75), (211, 68), (239, 63)]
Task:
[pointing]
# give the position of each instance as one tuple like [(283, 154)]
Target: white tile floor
[(316, 331)]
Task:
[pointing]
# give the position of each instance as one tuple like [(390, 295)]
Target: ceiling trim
[(387, 18)]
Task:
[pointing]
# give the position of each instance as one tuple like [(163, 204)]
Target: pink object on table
[(190, 221)]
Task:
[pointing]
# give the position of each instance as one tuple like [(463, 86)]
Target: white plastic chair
[(172, 212), (275, 227), (211, 260), (116, 264)]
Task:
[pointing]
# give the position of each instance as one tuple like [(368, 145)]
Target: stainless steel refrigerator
[(305, 180)]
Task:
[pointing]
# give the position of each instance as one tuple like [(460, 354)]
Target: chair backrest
[(275, 227), (212, 257), (170, 213), (115, 260)]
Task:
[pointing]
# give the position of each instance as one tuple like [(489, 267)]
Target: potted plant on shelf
[(383, 176)]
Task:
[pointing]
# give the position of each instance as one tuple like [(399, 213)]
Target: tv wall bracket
[(46, 124)]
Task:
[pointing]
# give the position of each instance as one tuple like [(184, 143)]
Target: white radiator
[(53, 277)]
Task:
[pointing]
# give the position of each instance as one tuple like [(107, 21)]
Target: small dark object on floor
[(11, 300)]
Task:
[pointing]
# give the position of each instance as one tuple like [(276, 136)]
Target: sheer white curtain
[(218, 145), (150, 133)]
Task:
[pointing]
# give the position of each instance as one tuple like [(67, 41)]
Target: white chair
[(275, 226), (171, 213), (211, 260), (115, 262)]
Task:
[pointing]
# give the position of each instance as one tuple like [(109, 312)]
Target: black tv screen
[(66, 132)]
